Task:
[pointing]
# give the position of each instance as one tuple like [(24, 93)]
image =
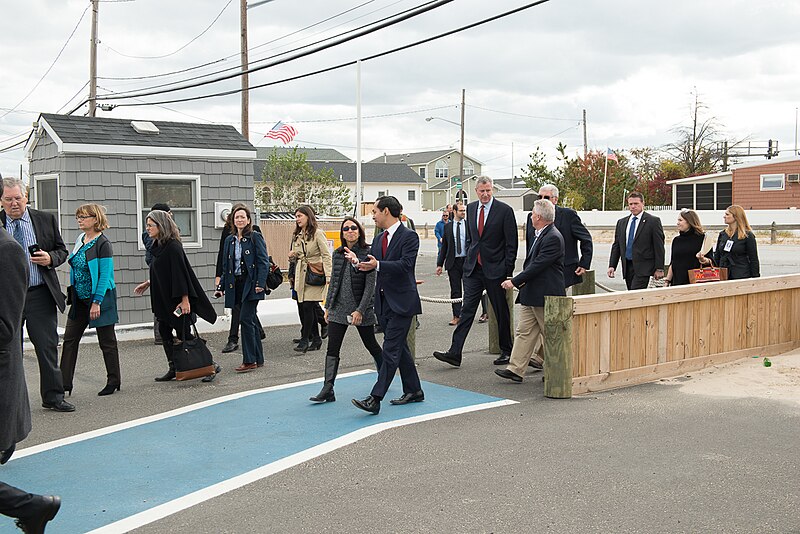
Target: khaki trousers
[(528, 340)]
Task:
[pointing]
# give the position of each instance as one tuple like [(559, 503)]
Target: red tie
[(480, 234), (384, 243)]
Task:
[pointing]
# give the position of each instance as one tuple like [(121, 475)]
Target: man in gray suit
[(32, 511)]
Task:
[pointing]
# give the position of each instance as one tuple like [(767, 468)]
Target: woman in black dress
[(175, 291), (685, 247), (736, 248)]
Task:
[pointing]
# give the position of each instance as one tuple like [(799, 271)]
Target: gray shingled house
[(127, 166)]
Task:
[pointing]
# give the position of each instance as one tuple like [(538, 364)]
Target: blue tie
[(18, 233), (629, 244)]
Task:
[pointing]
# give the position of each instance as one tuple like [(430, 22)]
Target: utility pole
[(93, 61), (461, 156), (585, 143), (245, 76)]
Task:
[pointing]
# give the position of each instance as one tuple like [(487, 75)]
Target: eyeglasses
[(148, 225), (83, 217), (545, 197), (349, 228)]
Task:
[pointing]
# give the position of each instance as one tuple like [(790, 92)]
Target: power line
[(82, 87), (352, 62), (335, 41), (181, 48), (521, 115), (10, 147), (51, 65), (412, 149), (411, 112)]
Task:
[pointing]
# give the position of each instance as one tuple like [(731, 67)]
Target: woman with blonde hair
[(736, 247), (312, 272), (685, 247), (92, 297)]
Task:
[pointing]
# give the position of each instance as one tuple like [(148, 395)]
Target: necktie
[(18, 233), (629, 244), (384, 244), (458, 238), (480, 233)]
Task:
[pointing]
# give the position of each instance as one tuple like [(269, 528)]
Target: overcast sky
[(633, 65)]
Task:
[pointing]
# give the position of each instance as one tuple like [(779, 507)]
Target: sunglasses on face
[(545, 197), (349, 228)]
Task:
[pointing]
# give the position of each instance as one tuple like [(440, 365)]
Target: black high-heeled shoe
[(108, 390), (302, 346), (170, 375), (325, 395), (315, 344)]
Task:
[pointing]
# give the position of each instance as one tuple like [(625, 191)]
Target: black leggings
[(308, 320), (336, 332)]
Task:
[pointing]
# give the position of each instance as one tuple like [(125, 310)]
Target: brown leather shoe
[(246, 367), (454, 321)]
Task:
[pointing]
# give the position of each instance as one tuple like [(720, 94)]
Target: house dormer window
[(442, 170), (469, 168)]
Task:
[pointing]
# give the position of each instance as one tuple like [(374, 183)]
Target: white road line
[(36, 449), (197, 497)]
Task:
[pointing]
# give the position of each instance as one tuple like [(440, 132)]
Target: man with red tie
[(394, 256), (491, 254)]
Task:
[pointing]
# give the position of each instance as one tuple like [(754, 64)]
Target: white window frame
[(43, 177), (382, 194), (423, 171), (773, 177), (198, 211), (442, 169), (469, 168)]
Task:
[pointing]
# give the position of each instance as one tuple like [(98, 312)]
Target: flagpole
[(605, 175), (356, 211)]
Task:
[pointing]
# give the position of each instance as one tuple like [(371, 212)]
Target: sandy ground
[(747, 378)]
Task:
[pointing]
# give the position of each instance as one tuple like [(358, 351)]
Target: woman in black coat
[(244, 279), (233, 333), (350, 300), (736, 248), (176, 295), (685, 247)]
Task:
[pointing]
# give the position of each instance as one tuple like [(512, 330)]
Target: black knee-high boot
[(326, 393)]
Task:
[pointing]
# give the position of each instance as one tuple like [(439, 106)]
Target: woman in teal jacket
[(92, 297)]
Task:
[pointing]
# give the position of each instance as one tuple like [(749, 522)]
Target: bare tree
[(694, 147)]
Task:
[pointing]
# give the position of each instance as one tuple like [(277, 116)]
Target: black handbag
[(275, 276), (191, 357), (313, 278)]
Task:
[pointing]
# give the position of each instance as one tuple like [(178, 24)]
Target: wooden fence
[(599, 342)]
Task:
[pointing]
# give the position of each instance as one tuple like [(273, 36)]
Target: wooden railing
[(599, 342)]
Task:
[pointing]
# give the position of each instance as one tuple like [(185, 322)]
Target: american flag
[(610, 155), (283, 132)]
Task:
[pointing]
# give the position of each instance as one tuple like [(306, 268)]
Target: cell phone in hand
[(178, 312), (33, 249)]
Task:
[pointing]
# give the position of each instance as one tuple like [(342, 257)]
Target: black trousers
[(106, 336), (308, 320), (41, 320), (336, 332), (319, 312), (474, 286), (396, 354), (634, 280), (456, 275), (15, 503)]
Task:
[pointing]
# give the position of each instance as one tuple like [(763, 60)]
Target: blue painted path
[(108, 478)]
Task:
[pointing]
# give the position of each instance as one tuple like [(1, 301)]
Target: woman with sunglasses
[(351, 297), (92, 297)]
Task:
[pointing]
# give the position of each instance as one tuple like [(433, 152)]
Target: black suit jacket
[(498, 244), (648, 245), (571, 227), (447, 253), (45, 226), (396, 279), (543, 271)]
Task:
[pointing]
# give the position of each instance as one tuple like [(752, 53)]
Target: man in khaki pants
[(542, 275)]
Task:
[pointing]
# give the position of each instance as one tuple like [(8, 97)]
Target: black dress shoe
[(315, 345), (5, 455), (60, 406), (262, 335), (418, 396), (536, 365), (46, 509), (230, 346), (302, 346), (324, 331), (447, 357), (108, 390), (369, 404), (503, 359), (505, 373), (325, 395), (169, 375)]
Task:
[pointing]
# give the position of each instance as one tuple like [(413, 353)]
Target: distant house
[(519, 198), (311, 154), (439, 169), (773, 184), (127, 166)]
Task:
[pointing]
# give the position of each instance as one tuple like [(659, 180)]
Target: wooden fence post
[(773, 233), (558, 347), (586, 287), (494, 335)]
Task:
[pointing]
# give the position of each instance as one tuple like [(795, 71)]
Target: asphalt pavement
[(641, 459)]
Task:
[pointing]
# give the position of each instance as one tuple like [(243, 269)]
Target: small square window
[(412, 195), (182, 194), (772, 182)]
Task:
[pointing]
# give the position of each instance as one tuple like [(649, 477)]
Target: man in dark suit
[(572, 230), (542, 275), (452, 253), (39, 230), (639, 242), (32, 511), (394, 256), (491, 254)]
